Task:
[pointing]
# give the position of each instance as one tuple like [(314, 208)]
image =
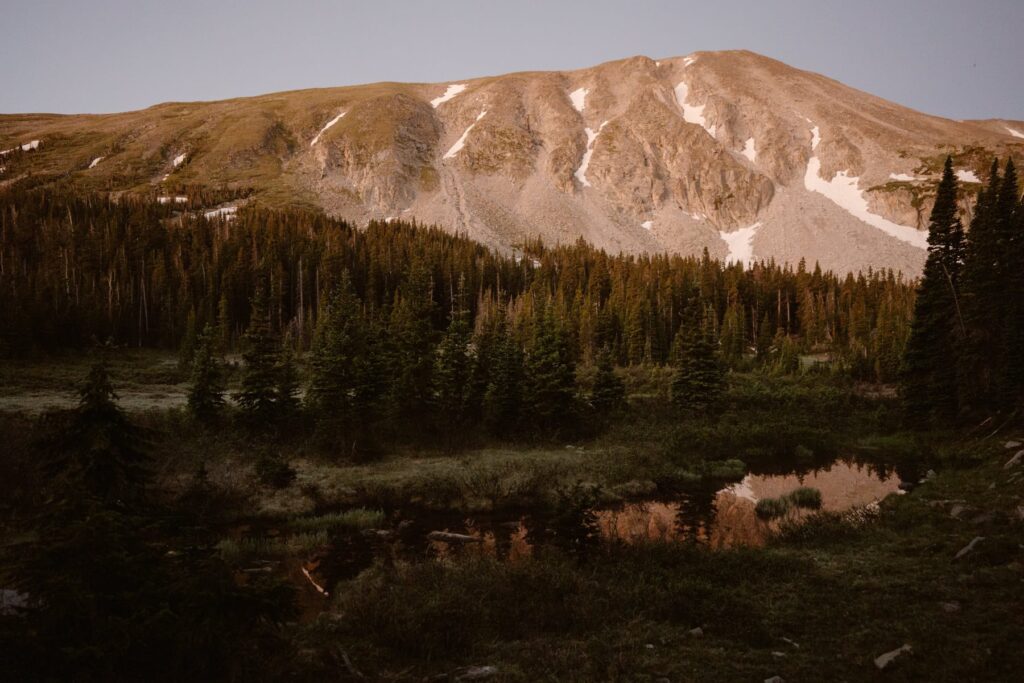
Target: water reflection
[(719, 518)]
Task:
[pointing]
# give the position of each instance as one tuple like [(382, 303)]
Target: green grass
[(357, 518)]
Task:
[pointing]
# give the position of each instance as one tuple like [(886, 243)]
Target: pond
[(716, 517)]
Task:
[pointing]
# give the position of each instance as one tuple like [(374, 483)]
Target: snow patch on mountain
[(903, 177), (581, 172), (687, 61), (578, 98), (647, 225), (461, 142), (178, 160), (741, 244), (92, 164), (692, 114), (1014, 132), (815, 137), (227, 213), (167, 200), (327, 125), (844, 192), (451, 92), (32, 144), (967, 176), (749, 150)]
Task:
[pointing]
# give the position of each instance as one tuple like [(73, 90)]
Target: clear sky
[(946, 57)]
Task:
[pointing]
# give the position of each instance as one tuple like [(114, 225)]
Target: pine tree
[(258, 396), (550, 376), (504, 396), (764, 340), (288, 386), (337, 350), (700, 377), (930, 388), (453, 366), (609, 393), (95, 450), (206, 393), (412, 335)]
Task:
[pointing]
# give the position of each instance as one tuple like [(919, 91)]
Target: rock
[(649, 646), (983, 518), (1015, 460), (950, 607), (791, 642), (11, 601), (449, 537), (958, 510), (884, 660), (928, 476), (475, 673), (1010, 445), (775, 679), (696, 632), (777, 654), (969, 547), (662, 680), (1020, 512)]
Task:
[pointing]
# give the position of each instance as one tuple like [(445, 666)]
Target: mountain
[(729, 151)]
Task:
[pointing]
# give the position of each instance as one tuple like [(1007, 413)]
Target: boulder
[(476, 673), (885, 660), (1010, 445), (775, 679), (696, 632)]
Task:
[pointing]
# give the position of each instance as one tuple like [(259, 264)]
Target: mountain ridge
[(729, 151)]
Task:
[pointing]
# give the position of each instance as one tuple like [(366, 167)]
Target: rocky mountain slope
[(728, 151)]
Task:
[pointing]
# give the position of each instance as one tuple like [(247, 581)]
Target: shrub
[(772, 508), (805, 497)]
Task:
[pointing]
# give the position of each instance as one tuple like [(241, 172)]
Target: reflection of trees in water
[(695, 516)]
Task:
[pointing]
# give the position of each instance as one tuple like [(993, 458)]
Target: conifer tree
[(287, 388), (258, 396), (412, 335), (95, 450), (930, 389), (609, 393), (337, 350), (504, 396), (206, 393), (453, 366), (699, 376), (550, 375)]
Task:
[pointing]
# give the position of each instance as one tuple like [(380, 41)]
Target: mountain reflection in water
[(718, 519)]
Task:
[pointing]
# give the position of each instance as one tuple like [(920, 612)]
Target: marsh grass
[(356, 518)]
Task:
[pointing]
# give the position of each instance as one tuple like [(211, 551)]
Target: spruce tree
[(258, 395), (95, 450), (337, 350), (550, 376), (504, 396), (609, 393), (412, 335), (206, 393), (453, 366), (700, 377), (288, 387), (930, 388)]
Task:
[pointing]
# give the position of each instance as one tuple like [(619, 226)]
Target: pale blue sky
[(947, 57)]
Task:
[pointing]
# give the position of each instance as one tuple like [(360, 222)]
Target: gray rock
[(11, 601), (696, 632), (950, 607), (1010, 445), (649, 646), (1015, 460), (791, 642), (476, 673), (885, 660), (775, 679), (777, 654), (969, 547)]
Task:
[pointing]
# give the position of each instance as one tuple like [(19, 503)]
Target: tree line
[(82, 269)]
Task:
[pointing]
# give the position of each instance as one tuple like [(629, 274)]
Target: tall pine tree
[(930, 389)]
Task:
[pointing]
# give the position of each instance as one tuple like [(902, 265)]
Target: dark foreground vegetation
[(337, 385)]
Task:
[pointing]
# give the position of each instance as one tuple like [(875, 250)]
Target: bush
[(772, 508), (273, 471), (805, 497)]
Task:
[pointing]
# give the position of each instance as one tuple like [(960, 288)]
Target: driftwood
[(449, 537)]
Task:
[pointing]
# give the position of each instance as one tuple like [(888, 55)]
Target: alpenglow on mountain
[(728, 151)]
